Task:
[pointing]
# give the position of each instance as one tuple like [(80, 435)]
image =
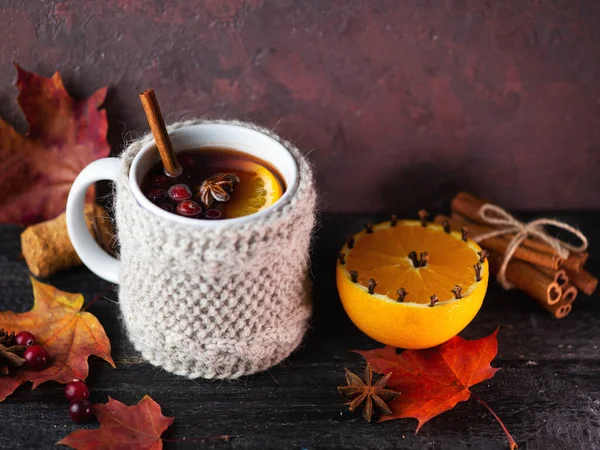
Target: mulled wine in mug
[(202, 297)]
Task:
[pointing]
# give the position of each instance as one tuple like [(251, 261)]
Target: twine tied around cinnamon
[(494, 215)]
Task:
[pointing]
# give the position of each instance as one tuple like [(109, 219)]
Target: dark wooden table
[(547, 393)]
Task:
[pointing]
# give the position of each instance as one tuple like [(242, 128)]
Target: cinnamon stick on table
[(541, 288), (584, 281), (500, 245), (561, 309), (570, 293), (576, 261), (468, 206), (560, 276)]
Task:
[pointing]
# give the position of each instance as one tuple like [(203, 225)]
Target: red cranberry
[(25, 338), (158, 180), (213, 214), (156, 195), (80, 410), (166, 207), (180, 192), (189, 208), (37, 357), (76, 390)]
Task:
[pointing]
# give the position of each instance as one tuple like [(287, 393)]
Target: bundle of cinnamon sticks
[(535, 267)]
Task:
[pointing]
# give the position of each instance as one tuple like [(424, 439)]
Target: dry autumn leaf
[(434, 380), (134, 427), (69, 334), (64, 136)]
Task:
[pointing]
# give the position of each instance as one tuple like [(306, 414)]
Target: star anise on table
[(10, 354), (6, 339), (217, 187), (362, 390)]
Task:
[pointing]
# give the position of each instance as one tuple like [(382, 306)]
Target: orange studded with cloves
[(411, 284)]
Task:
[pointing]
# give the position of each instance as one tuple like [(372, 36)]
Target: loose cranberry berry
[(159, 180), (180, 192), (37, 357), (80, 410), (189, 208), (213, 214), (25, 338), (77, 390), (156, 195), (166, 207)]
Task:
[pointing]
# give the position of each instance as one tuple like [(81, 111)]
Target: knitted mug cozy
[(215, 302)]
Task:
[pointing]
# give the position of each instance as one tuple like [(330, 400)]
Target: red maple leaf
[(69, 334), (134, 427), (137, 427), (64, 136), (434, 380)]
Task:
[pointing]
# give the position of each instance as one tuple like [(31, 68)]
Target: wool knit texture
[(215, 302)]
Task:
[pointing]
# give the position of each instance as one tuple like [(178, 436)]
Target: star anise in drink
[(362, 391), (217, 187)]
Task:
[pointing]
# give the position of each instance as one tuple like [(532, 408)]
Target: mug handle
[(92, 255)]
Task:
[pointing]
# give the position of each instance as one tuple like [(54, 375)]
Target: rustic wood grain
[(547, 391)]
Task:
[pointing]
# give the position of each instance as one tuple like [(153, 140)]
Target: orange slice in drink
[(258, 189), (379, 262)]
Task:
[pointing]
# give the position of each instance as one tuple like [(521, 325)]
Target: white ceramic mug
[(201, 298), (243, 139)]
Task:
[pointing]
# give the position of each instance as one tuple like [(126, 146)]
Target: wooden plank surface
[(547, 393)]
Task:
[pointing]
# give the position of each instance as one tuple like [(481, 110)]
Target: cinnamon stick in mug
[(500, 245), (159, 131)]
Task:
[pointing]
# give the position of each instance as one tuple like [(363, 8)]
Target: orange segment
[(257, 189), (383, 256)]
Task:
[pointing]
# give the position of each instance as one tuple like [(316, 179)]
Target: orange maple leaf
[(69, 335), (64, 136), (434, 380), (134, 427)]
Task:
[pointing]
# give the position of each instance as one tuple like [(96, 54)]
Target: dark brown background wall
[(401, 102)]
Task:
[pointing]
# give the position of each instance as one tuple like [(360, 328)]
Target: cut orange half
[(379, 261), (256, 190)]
